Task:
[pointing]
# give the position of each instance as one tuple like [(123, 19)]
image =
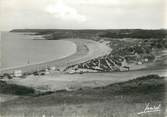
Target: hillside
[(122, 99), (127, 54), (95, 34), (151, 87)]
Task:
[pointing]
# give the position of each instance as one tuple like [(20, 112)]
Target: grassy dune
[(123, 99)]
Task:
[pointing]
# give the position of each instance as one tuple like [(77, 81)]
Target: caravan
[(17, 73)]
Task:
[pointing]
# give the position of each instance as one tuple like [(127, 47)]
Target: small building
[(139, 63), (146, 59), (71, 71), (52, 68), (46, 71), (17, 73)]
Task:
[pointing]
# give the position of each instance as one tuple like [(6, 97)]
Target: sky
[(82, 14)]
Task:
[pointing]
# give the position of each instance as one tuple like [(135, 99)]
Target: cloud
[(63, 11), (114, 2), (82, 14)]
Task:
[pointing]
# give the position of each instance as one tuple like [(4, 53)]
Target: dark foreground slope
[(146, 88), (123, 99), (13, 89)]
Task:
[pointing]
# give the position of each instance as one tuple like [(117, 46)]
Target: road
[(59, 81)]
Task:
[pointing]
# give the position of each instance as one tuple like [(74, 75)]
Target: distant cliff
[(93, 33)]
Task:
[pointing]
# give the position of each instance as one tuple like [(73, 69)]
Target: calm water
[(18, 49)]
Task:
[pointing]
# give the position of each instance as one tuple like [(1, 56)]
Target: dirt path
[(58, 81)]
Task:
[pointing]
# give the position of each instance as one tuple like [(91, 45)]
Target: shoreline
[(84, 51), (42, 62)]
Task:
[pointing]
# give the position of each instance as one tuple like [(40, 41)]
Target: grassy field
[(124, 99)]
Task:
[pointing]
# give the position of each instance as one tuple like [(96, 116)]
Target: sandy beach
[(86, 50)]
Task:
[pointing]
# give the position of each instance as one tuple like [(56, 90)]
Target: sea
[(19, 49)]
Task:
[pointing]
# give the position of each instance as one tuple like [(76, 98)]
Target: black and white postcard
[(83, 58)]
